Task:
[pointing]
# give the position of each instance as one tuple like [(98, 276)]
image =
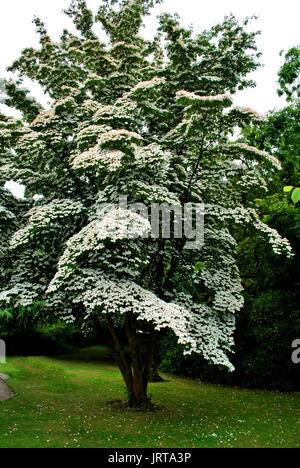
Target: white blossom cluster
[(279, 244), (244, 149), (122, 136), (210, 78), (211, 332), (151, 193), (21, 295), (227, 289), (250, 112), (197, 327), (89, 134), (248, 216), (143, 86), (110, 114), (116, 225), (188, 98), (90, 106), (125, 47), (43, 217), (111, 160)]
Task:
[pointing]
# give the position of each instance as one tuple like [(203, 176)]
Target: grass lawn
[(62, 402)]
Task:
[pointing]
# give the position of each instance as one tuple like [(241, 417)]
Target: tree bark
[(137, 367), (118, 352), (141, 362), (154, 375)]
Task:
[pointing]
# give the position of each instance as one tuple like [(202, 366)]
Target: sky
[(278, 22)]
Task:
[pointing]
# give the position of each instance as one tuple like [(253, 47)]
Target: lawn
[(62, 402)]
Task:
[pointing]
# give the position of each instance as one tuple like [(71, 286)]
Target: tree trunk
[(154, 375), (136, 367), (141, 364), (123, 362)]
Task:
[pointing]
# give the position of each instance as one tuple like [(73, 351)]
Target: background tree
[(149, 120), (289, 73), (273, 291)]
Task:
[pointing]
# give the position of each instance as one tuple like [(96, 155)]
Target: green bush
[(266, 328), (173, 361), (24, 334)]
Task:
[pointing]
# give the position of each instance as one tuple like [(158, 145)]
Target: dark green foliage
[(82, 17), (289, 74), (267, 326), (25, 333), (17, 98), (280, 134), (174, 362)]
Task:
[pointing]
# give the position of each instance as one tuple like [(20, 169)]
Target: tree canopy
[(150, 122)]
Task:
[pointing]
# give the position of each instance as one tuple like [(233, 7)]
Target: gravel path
[(5, 392)]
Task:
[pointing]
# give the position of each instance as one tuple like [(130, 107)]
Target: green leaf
[(199, 266), (296, 195), (288, 188)]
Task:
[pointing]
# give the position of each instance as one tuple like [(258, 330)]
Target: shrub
[(266, 328)]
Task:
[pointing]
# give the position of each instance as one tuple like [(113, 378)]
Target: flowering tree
[(147, 121), (289, 82)]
